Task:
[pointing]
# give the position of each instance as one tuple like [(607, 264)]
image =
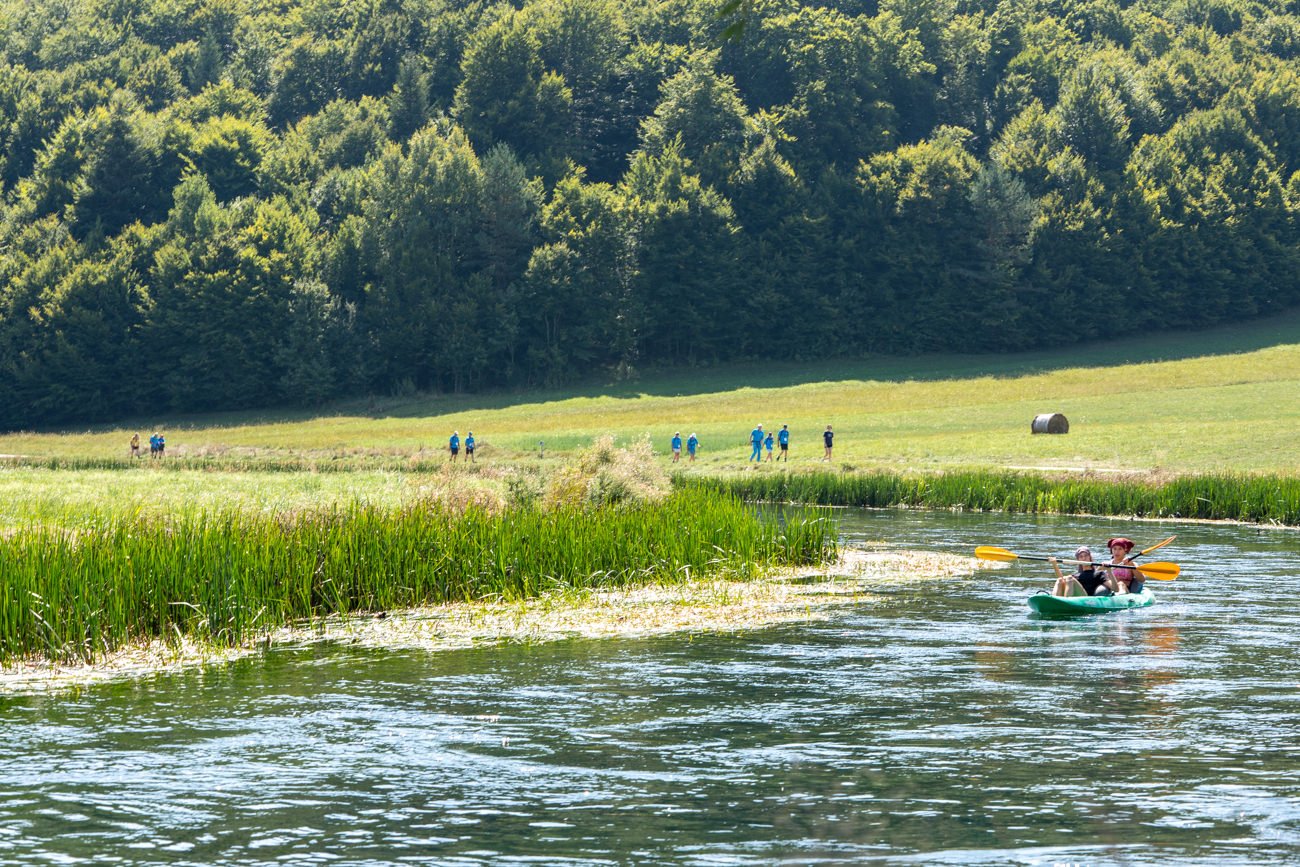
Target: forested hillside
[(211, 204)]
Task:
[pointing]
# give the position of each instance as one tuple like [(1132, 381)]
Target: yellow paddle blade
[(988, 552), (1159, 544), (1159, 571)]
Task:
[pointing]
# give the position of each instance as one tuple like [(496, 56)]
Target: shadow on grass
[(692, 381)]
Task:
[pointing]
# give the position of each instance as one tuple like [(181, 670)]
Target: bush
[(605, 475)]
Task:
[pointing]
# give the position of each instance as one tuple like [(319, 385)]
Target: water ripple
[(941, 726)]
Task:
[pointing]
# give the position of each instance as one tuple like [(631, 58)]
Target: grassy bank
[(1225, 496), (225, 578)]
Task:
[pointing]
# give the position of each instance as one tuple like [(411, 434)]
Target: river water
[(941, 725)]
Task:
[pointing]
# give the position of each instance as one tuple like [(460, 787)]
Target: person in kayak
[(1121, 580), (1087, 581)]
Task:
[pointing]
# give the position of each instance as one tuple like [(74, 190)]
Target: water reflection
[(1161, 639), (942, 725)]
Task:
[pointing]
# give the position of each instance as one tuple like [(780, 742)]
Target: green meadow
[(1222, 400)]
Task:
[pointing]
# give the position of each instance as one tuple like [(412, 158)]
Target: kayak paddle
[(1159, 571), (1146, 551)]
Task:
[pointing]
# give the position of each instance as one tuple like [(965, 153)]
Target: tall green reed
[(1225, 496), (224, 578)]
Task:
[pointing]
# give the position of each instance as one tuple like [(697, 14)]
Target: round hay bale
[(1050, 423)]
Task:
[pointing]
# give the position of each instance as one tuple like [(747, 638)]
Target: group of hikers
[(692, 446), (157, 445), (1099, 579), (453, 445), (765, 441), (760, 440)]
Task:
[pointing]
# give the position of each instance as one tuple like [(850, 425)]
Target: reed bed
[(1228, 496), (226, 578)]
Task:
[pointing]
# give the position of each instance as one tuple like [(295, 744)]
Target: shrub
[(605, 475)]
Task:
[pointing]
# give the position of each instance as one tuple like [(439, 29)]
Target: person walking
[(692, 443), (135, 445), (454, 445), (767, 444), (828, 439), (153, 445), (756, 438), (162, 446), (469, 447), (677, 446), (783, 440)]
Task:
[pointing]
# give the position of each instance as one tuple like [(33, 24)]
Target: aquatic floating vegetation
[(228, 577)]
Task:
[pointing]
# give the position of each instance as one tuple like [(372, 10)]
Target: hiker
[(692, 443), (756, 437), (153, 445), (1086, 581), (677, 446), (469, 446), (454, 445), (767, 444), (135, 445), (783, 440), (829, 439), (1122, 580)]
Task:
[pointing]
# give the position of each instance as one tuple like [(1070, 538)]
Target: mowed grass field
[(1170, 404)]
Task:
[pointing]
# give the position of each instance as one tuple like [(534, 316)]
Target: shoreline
[(716, 604), (1146, 519), (1254, 500)]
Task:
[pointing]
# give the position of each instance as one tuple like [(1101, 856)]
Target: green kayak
[(1044, 603)]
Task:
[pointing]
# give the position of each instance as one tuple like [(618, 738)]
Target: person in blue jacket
[(469, 446), (677, 446), (783, 440), (767, 444), (454, 444), (756, 437), (692, 443)]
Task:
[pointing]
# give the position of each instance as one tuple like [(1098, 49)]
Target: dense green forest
[(214, 204)]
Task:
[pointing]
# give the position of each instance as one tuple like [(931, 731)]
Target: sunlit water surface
[(944, 724)]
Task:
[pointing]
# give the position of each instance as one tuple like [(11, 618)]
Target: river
[(943, 724)]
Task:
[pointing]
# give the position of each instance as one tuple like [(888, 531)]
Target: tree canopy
[(213, 205)]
